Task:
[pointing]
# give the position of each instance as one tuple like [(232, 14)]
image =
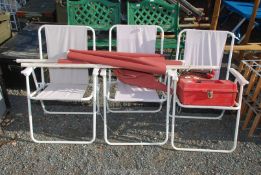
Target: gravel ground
[(19, 155)]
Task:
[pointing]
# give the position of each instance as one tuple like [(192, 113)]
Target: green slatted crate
[(156, 12), (99, 14)]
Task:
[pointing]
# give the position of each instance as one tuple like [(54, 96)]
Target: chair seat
[(128, 93), (63, 92)]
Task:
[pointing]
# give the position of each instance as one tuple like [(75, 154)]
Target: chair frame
[(238, 79), (162, 100), (106, 99), (42, 84)]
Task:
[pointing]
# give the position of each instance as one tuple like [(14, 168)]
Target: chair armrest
[(173, 74), (95, 71), (241, 80), (27, 71)]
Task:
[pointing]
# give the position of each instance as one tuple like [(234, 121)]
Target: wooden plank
[(249, 116), (252, 81), (196, 25), (250, 26), (241, 67), (254, 125), (247, 71), (257, 90), (215, 15), (251, 22), (247, 47), (194, 19)]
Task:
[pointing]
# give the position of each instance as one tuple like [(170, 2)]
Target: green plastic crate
[(99, 14), (156, 12)]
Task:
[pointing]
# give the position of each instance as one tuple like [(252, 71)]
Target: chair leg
[(203, 150), (206, 150), (49, 141), (219, 117), (130, 143), (134, 143), (62, 141)]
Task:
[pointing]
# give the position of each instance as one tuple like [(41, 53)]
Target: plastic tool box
[(206, 92)]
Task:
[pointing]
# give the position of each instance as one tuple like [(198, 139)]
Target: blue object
[(243, 8)]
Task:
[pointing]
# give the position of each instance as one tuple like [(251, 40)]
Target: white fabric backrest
[(204, 48), (59, 39), (136, 38)]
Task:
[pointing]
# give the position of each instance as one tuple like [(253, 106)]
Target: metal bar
[(186, 6), (238, 25), (58, 65)]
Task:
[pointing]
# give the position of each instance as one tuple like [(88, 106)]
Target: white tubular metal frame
[(238, 79), (110, 82), (103, 73), (158, 27), (106, 99), (42, 85)]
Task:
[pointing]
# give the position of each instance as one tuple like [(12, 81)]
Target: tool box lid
[(188, 84)]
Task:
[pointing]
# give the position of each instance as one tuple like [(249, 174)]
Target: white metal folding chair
[(67, 85), (127, 93), (209, 53)]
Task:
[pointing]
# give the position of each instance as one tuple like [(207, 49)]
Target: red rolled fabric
[(153, 65), (137, 69), (139, 79), (68, 61)]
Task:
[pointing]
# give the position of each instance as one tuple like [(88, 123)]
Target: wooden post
[(215, 16), (250, 26)]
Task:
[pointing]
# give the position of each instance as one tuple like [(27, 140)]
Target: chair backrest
[(205, 47), (59, 39), (154, 12), (99, 14), (136, 38)]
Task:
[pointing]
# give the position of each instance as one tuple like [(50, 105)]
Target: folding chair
[(131, 38), (205, 48), (68, 84)]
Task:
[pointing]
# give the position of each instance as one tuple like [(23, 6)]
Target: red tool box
[(206, 92)]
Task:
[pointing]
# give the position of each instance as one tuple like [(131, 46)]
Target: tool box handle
[(209, 81)]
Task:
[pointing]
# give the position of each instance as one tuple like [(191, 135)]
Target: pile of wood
[(251, 104)]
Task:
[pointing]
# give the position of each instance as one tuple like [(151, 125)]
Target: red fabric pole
[(135, 68), (142, 64)]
